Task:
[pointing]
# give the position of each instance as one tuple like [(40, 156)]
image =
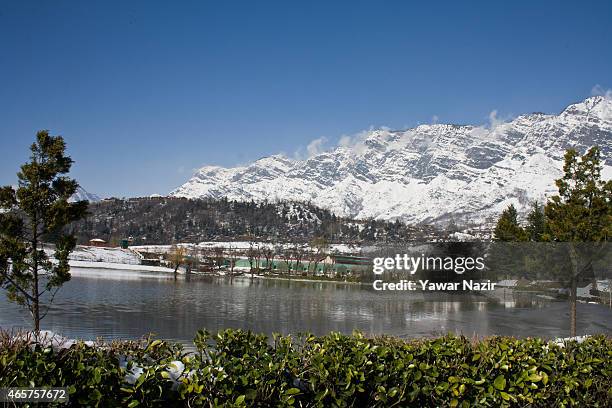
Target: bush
[(235, 368)]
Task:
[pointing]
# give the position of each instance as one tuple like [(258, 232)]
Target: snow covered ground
[(87, 257), (602, 285), (107, 255), (244, 245), (507, 283), (75, 265), (48, 338)]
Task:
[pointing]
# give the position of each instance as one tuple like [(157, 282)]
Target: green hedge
[(234, 368)]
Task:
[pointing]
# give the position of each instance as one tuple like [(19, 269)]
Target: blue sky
[(144, 92)]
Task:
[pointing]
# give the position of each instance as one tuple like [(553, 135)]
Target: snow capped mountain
[(81, 195), (431, 173)]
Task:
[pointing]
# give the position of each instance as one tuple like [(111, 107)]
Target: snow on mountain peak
[(599, 107), (82, 195), (430, 173)]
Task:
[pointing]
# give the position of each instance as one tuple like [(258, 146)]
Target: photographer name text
[(410, 285)]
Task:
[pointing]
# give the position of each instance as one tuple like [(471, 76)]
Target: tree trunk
[(572, 301), (35, 293), (573, 289), (36, 305)]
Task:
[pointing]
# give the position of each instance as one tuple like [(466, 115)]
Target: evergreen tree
[(536, 223), (36, 213), (503, 262), (581, 216), (538, 261), (508, 228)]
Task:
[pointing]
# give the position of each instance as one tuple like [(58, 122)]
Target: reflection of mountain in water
[(175, 309)]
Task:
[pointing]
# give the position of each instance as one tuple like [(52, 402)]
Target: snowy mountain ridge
[(82, 195), (430, 173)]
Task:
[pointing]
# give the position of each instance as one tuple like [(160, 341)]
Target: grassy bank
[(236, 368), (313, 278)]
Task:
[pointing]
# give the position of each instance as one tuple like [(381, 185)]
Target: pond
[(128, 304)]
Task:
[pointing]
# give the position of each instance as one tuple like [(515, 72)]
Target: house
[(342, 264), (348, 260), (97, 242)]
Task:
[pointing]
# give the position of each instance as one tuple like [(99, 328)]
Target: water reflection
[(128, 305)]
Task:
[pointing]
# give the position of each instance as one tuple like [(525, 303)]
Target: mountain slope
[(82, 195), (430, 173), (165, 220)]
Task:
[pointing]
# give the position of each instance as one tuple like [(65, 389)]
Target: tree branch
[(12, 282), (50, 302)]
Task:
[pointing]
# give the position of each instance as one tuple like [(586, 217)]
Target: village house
[(97, 242)]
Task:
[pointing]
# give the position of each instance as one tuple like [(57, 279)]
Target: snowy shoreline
[(126, 260), (118, 266)]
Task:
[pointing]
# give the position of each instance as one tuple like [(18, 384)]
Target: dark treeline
[(165, 220)]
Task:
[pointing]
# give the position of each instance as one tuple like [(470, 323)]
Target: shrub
[(235, 368)]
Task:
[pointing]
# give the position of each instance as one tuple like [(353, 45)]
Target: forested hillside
[(164, 220)]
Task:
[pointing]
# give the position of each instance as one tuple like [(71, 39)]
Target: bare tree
[(321, 247), (219, 256), (278, 250), (251, 255), (287, 257), (258, 255), (194, 257), (233, 257), (268, 254), (298, 254)]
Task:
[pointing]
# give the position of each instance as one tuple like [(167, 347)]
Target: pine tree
[(508, 228), (581, 216), (536, 223), (33, 214)]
